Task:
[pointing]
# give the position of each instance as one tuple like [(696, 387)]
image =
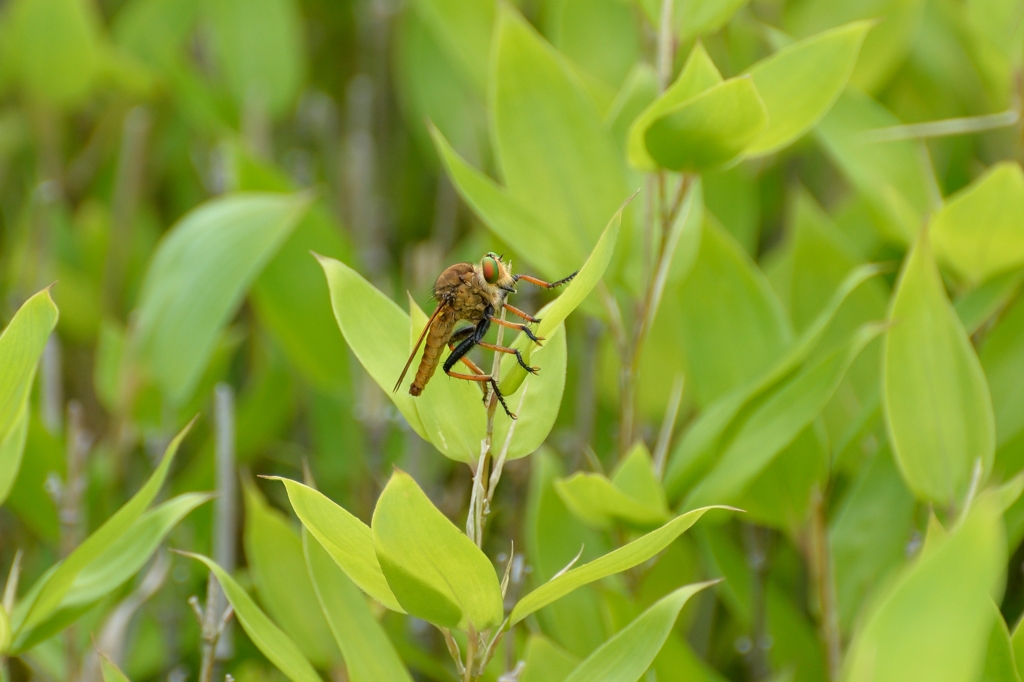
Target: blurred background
[(118, 117)]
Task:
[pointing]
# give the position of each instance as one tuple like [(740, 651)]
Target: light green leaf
[(268, 638), (800, 83), (274, 554), (550, 142), (1002, 358), (512, 221), (1000, 665), (894, 177), (738, 333), (462, 28), (436, 572), (21, 346), (259, 49), (369, 654), (600, 36), (978, 305), (155, 31), (546, 661), (54, 48), (621, 559), (569, 299), (198, 277), (633, 494), (938, 408), (111, 673), (626, 656), (125, 557), (935, 621), (52, 588), (348, 540), (697, 75), (376, 330), (5, 632), (709, 130), (979, 231), (777, 422)]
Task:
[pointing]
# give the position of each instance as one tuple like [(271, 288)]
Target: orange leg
[(542, 283), (518, 327), (510, 351), (519, 313), (486, 378)]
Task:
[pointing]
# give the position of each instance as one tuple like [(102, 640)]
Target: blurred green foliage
[(799, 231)]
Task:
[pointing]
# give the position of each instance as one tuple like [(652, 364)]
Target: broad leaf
[(708, 130), (346, 539), (111, 673), (777, 422), (546, 661), (369, 654), (698, 75), (376, 330), (268, 638), (934, 623), (799, 83), (273, 551), (434, 569), (619, 560), (198, 277), (937, 402), (50, 591), (979, 231), (626, 656), (462, 28), (1000, 665), (694, 453), (21, 346)]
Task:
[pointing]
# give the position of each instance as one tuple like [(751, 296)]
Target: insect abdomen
[(437, 337)]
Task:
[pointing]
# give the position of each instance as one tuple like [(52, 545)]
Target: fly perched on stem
[(476, 293)]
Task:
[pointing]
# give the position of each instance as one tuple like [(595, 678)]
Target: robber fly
[(475, 293)]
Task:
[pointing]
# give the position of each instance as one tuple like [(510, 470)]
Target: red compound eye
[(490, 268)]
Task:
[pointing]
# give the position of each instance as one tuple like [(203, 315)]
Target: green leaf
[(697, 75), (709, 130), (694, 454), (436, 572), (619, 560), (978, 305), (268, 638), (51, 589), (869, 533), (938, 408), (893, 177), (111, 673), (21, 346), (259, 49), (462, 28), (1000, 665), (777, 422), (569, 299), (633, 495), (54, 48), (600, 36), (369, 654), (546, 661), (800, 83), (626, 656), (348, 540), (1002, 358), (5, 632), (278, 569), (155, 31), (198, 277), (376, 330), (979, 231), (935, 621), (550, 142)]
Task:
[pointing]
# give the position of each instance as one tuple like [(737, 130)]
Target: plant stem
[(820, 561), (225, 517)]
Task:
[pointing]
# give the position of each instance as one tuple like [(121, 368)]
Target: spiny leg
[(542, 283), (458, 337), (519, 313), (510, 351), (518, 327), (486, 378)]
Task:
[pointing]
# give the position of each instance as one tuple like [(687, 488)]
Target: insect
[(476, 293)]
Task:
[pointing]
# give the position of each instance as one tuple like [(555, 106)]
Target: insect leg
[(519, 313), (486, 378), (518, 327), (542, 283), (511, 351), (458, 352)]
